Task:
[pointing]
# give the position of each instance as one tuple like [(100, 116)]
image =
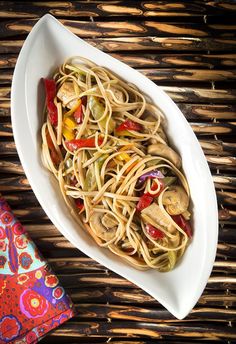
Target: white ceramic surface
[(45, 48)]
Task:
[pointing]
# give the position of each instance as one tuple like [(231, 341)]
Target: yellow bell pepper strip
[(97, 108), (126, 147), (68, 134), (129, 125), (70, 123), (126, 157), (75, 144), (50, 89), (68, 128), (123, 157)]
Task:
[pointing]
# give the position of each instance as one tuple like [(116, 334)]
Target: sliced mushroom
[(154, 213), (166, 152), (97, 226), (175, 200), (65, 93), (118, 94), (162, 134), (109, 221)]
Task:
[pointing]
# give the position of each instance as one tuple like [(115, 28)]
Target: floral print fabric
[(32, 302)]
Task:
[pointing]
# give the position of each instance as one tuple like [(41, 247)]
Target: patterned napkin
[(32, 302)]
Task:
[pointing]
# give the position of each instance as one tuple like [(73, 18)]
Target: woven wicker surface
[(189, 49)]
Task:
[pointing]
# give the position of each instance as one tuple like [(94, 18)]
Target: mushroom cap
[(96, 224), (166, 152), (175, 200)]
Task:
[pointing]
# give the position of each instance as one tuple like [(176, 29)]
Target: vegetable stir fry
[(105, 142)]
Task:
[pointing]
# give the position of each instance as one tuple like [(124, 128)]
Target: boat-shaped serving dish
[(46, 47)]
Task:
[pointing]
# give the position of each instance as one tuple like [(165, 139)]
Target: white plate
[(46, 47)]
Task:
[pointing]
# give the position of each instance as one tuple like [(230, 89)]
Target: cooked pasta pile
[(105, 143)]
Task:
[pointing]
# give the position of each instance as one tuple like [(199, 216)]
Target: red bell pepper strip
[(75, 144), (53, 153), (78, 114), (154, 187), (49, 141), (154, 232), (184, 224), (55, 157), (129, 125), (144, 201), (50, 89), (79, 204), (147, 198)]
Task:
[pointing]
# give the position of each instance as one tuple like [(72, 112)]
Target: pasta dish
[(105, 143)]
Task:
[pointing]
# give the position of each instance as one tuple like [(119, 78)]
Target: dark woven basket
[(189, 49)]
